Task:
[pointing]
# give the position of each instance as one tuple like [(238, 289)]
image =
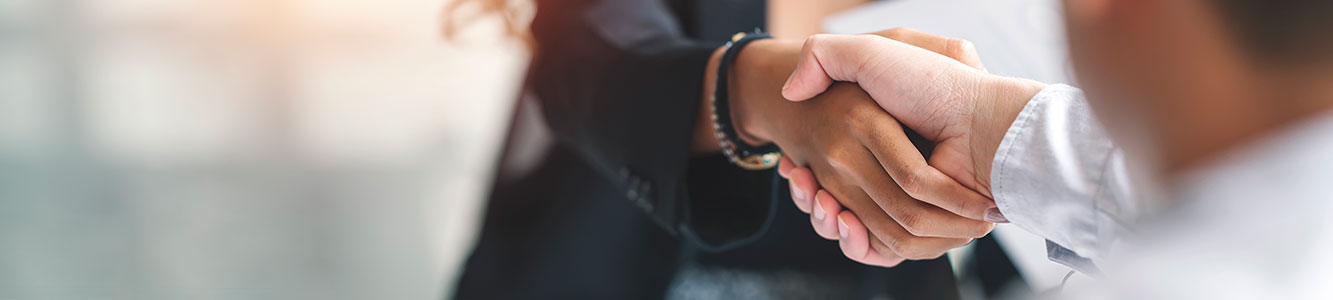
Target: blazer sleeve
[(619, 83)]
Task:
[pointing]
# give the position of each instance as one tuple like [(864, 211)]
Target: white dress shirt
[(1251, 225)]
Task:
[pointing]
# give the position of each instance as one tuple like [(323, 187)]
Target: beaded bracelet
[(737, 151)]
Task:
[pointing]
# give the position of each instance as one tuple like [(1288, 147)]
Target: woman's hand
[(850, 144), (847, 142)]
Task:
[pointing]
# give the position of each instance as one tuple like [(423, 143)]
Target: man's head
[(1193, 78)]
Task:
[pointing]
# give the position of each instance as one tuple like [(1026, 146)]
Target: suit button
[(644, 204), (645, 189), (632, 188), (645, 199)]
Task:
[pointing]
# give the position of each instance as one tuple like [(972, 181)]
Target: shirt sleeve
[(620, 84), (1057, 174)]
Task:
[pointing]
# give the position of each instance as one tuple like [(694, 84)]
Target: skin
[(842, 138), (1165, 77), (905, 227), (953, 128), (799, 19), (933, 94)]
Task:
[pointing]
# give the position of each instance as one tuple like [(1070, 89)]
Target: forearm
[(627, 103)]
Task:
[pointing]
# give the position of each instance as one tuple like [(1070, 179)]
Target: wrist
[(757, 75), (998, 100)]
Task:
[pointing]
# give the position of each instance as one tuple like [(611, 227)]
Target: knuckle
[(953, 46), (893, 33), (863, 118), (902, 246), (915, 224), (867, 111), (857, 113), (882, 249), (959, 48), (840, 156), (913, 182), (815, 40), (983, 228), (969, 48), (898, 32)]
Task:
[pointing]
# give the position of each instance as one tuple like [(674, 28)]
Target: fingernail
[(819, 211), (787, 84), (993, 215), (842, 228), (797, 192)]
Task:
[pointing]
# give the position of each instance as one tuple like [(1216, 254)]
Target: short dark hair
[(1282, 31)]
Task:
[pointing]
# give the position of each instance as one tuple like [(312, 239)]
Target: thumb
[(809, 78), (824, 58)]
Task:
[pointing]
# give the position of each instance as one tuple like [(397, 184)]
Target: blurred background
[(244, 149), (305, 149)]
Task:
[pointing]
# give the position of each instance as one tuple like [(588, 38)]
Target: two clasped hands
[(842, 120)]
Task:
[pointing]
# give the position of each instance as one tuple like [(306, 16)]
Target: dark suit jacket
[(618, 206)]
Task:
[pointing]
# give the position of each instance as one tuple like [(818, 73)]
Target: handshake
[(848, 156)]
